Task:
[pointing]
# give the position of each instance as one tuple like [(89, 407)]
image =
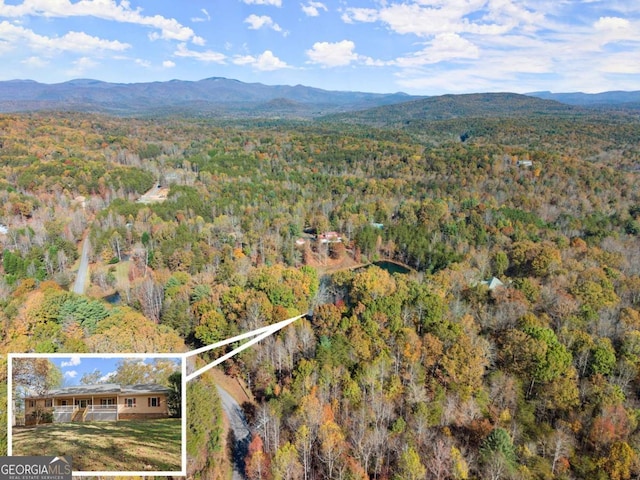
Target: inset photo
[(120, 414)]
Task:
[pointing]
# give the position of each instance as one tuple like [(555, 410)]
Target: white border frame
[(175, 356)]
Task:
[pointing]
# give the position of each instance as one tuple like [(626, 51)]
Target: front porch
[(88, 413), (85, 409)]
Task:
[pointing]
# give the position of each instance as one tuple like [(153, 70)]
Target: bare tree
[(560, 446), (150, 295), (438, 463)]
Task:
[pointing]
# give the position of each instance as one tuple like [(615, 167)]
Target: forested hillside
[(425, 374)]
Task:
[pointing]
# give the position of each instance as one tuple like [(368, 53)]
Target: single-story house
[(106, 402), (493, 283), (329, 237)]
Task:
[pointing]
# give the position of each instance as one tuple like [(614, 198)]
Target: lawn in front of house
[(123, 446)]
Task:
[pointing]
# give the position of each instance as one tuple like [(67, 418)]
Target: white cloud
[(257, 22), (444, 47), (615, 29), (35, 62), (332, 54), (504, 44), (621, 63), (312, 9), (142, 63), (426, 18), (514, 15), (170, 28), (81, 42), (495, 70), (206, 17), (81, 65), (208, 56), (273, 3), (168, 64), (196, 40), (74, 361), (70, 42), (612, 24), (418, 20), (71, 374), (367, 15), (371, 62), (267, 61), (244, 59)]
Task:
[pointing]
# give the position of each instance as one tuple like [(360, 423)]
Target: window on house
[(63, 403), (154, 401), (32, 403), (130, 402), (48, 403), (107, 401)]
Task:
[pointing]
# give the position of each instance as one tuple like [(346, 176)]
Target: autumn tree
[(257, 464), (622, 462), (286, 465), (409, 466), (35, 377)]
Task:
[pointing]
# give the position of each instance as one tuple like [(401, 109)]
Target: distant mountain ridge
[(218, 96), (214, 95), (615, 98)]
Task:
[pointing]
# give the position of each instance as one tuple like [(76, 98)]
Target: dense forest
[(433, 373)]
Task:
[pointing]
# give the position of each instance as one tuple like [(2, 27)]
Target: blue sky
[(74, 367), (424, 47)]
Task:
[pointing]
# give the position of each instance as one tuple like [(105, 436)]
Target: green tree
[(553, 359), (174, 399), (500, 263), (213, 327), (286, 465), (498, 443), (603, 357), (409, 466)]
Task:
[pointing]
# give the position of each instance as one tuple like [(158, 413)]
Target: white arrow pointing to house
[(258, 334)]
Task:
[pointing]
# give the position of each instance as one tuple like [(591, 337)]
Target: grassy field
[(124, 446)]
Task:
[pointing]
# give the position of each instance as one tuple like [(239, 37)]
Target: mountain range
[(222, 97), (211, 96), (604, 99)]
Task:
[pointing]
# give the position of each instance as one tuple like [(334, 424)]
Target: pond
[(391, 267), (113, 299)]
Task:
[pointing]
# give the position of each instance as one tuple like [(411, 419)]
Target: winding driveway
[(241, 432), (83, 269)]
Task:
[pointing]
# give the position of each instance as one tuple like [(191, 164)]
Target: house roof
[(106, 389), (493, 283)]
